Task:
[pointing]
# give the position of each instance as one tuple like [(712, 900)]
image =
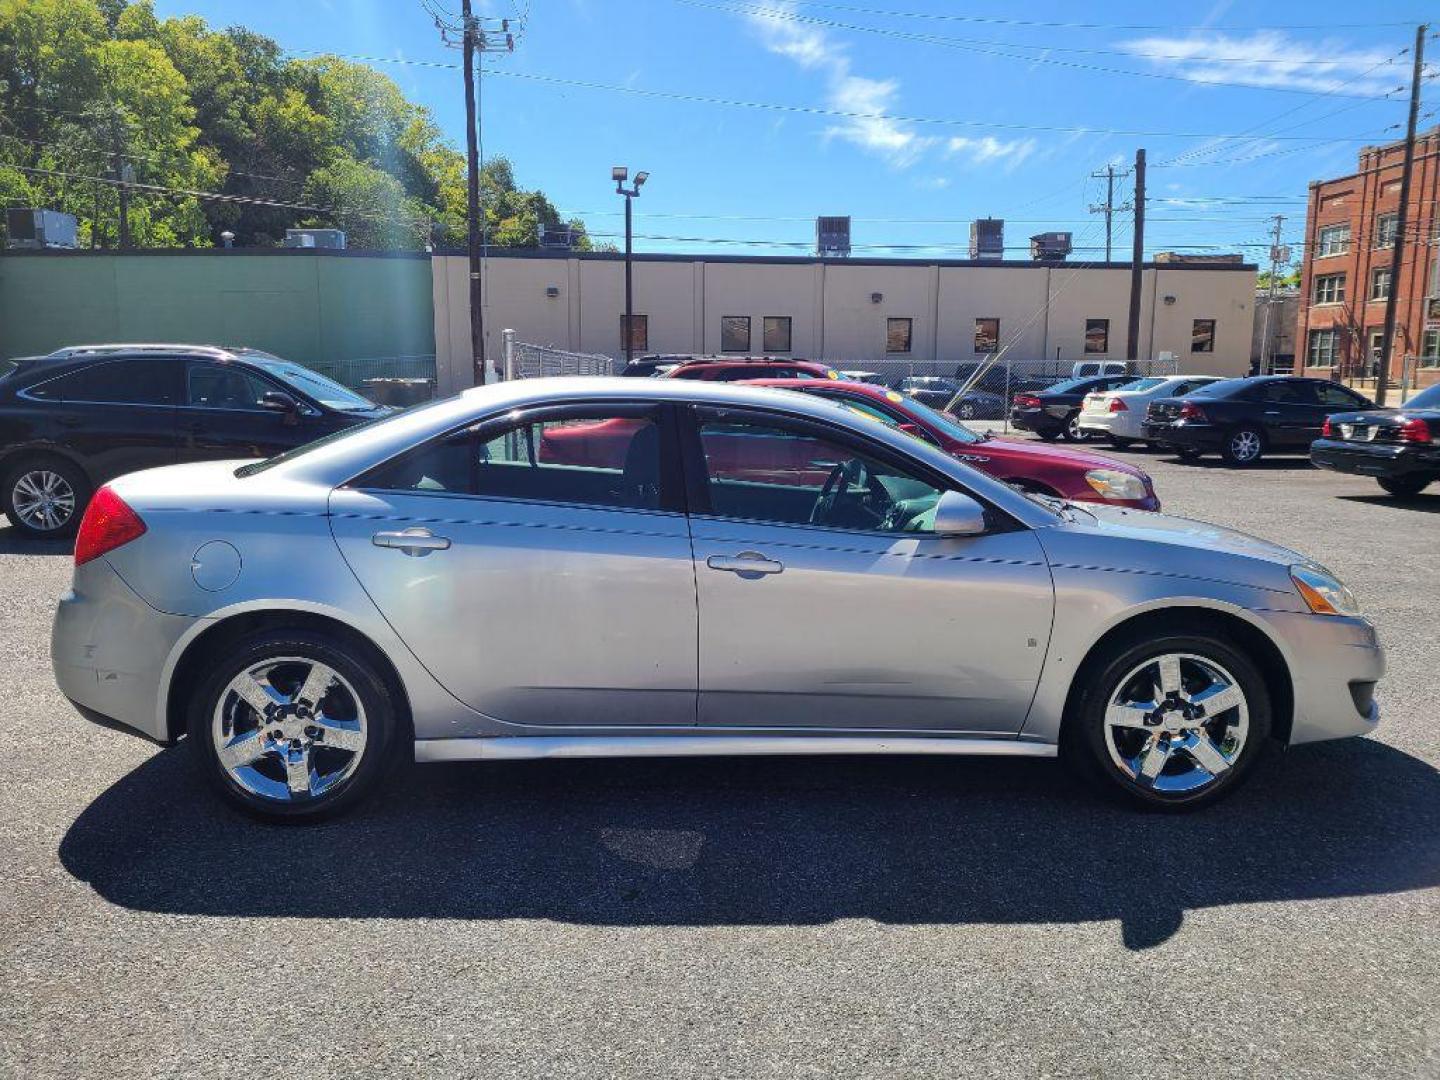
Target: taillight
[(1415, 430), (108, 524), (1118, 405), (1026, 401), (1190, 411), (1326, 430)]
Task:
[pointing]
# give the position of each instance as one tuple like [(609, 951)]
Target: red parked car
[(738, 368), (1077, 475)]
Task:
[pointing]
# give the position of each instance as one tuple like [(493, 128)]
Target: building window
[(776, 331), (1322, 349), (1330, 289), (639, 333), (1097, 335), (1430, 349), (1380, 283), (735, 333), (1202, 335), (1333, 240), (987, 335), (1386, 226), (897, 335)]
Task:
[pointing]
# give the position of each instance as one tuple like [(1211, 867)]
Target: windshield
[(326, 391), (1426, 399)]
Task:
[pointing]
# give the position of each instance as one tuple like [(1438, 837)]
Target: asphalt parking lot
[(787, 918)]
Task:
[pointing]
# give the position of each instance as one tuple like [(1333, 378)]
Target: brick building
[(1350, 229)]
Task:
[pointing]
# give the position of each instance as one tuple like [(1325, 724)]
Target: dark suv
[(80, 416), (1245, 419)]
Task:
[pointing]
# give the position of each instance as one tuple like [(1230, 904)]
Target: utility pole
[(1132, 336), (473, 40), (1109, 209), (124, 174), (1278, 256), (1402, 220)]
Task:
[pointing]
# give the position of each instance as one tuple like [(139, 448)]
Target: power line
[(820, 110)]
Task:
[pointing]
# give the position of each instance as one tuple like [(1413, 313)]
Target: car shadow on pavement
[(1425, 504), (771, 841), (14, 542), (1265, 464)]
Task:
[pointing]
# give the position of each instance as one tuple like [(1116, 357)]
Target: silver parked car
[(597, 567)]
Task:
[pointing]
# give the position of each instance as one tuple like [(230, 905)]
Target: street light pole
[(620, 174)]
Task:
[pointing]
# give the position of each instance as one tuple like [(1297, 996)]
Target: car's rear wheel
[(292, 726), (1170, 723), (1073, 431), (1243, 446), (1187, 454), (44, 497), (966, 410), (1048, 434), (1404, 487)]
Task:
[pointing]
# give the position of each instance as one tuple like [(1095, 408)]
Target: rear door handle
[(745, 564), (415, 541)]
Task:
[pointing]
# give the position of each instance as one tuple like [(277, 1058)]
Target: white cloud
[(988, 149), (1270, 58), (871, 99)]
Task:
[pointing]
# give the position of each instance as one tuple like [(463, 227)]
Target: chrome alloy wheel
[(1245, 446), (43, 499), (289, 730), (1176, 723)]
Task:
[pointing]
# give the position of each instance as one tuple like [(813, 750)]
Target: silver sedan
[(594, 568)]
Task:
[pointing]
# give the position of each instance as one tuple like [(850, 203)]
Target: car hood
[(1026, 450), (1096, 536)]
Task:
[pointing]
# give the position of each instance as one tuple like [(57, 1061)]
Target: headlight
[(1324, 594), (1114, 484)]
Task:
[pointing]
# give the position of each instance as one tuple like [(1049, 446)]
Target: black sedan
[(929, 390), (1055, 412), (1400, 447), (1245, 419), (74, 419)]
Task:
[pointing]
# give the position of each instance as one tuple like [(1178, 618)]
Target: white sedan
[(1119, 414)]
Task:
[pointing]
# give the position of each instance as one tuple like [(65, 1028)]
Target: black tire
[(1071, 431), (1048, 434), (1187, 454), (1404, 487), (381, 723), (31, 471), (1084, 738), (1120, 443), (1243, 446)]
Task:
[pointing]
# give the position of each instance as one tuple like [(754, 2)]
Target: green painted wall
[(313, 308)]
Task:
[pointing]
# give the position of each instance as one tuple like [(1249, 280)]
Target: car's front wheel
[(293, 725), (1404, 487), (1073, 431), (1170, 723), (44, 497)]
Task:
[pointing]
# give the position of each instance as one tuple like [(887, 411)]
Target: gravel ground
[(725, 918)]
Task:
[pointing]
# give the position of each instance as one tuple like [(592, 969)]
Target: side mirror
[(959, 515), (279, 401)]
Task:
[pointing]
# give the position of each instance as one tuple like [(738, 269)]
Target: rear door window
[(145, 381)]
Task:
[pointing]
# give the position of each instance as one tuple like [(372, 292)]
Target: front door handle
[(746, 564), (415, 541)]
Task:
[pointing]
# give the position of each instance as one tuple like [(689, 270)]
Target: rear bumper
[(1372, 459), (1036, 420), (109, 648), (1124, 425)]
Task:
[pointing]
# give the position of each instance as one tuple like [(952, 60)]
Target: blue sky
[(912, 116)]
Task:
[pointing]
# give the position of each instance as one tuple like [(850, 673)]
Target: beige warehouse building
[(848, 312)]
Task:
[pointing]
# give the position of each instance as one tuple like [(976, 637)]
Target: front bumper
[(1375, 459), (1334, 665), (1190, 436), (109, 649)]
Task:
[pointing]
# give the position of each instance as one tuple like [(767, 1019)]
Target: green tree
[(85, 84)]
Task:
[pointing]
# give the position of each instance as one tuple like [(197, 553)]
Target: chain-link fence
[(354, 373), (999, 376), (526, 361)]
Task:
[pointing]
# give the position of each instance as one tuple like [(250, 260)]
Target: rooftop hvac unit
[(1051, 246), (987, 238), (556, 237), (832, 237), (331, 239), (35, 229)]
